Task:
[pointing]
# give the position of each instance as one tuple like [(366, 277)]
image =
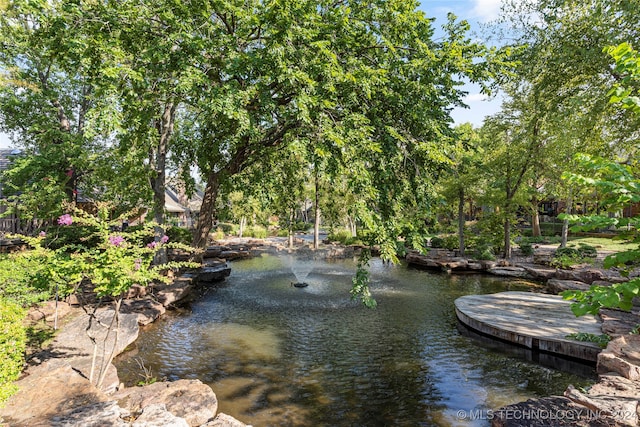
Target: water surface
[(277, 355)]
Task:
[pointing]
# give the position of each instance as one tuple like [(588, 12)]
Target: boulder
[(74, 344), (622, 411), (510, 272), (93, 415), (538, 272), (549, 411), (618, 322), (175, 291), (556, 286), (542, 258), (621, 356), (417, 259), (455, 264), (235, 254), (213, 274), (147, 310), (48, 389), (157, 415), (48, 311), (188, 399), (224, 420)]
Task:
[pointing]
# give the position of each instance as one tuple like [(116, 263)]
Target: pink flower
[(164, 239), (152, 245), (43, 234), (65, 219), (116, 240), (137, 264)]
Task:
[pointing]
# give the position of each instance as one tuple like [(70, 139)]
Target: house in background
[(181, 210)]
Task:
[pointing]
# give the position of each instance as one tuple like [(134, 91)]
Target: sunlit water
[(277, 355)]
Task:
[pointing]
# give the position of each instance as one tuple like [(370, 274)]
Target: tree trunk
[(316, 221), (507, 236), (207, 211), (243, 222), (535, 224), (292, 217), (535, 218), (158, 181), (565, 223), (353, 228), (461, 220)]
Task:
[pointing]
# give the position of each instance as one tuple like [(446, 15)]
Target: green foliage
[(13, 341), (227, 228), (484, 252), (449, 242), (437, 242), (601, 340), (256, 231), (179, 235), (489, 232), (360, 289), (571, 255), (218, 234), (618, 295), (343, 237), (625, 91), (76, 237), (526, 248)]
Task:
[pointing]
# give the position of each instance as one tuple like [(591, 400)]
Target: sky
[(475, 12)]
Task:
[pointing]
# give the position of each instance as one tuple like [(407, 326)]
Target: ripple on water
[(281, 356)]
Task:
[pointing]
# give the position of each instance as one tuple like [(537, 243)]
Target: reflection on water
[(277, 355)]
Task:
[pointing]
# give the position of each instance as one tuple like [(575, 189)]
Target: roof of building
[(6, 155)]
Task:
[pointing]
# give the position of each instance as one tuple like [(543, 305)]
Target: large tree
[(359, 81), (563, 65)]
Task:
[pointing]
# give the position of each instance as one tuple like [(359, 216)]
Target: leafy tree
[(618, 181), (463, 180), (572, 111), (621, 185), (627, 68)]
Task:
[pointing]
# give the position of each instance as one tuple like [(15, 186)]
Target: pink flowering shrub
[(65, 219)]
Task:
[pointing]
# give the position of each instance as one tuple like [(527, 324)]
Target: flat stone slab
[(537, 321)]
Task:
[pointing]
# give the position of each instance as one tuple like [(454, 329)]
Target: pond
[(277, 355)]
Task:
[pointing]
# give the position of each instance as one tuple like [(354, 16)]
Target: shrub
[(452, 242), (587, 251), (13, 342), (526, 248), (340, 236), (226, 227), (256, 231), (437, 242), (566, 257), (283, 232), (484, 252), (179, 235), (449, 242), (218, 234), (77, 235)]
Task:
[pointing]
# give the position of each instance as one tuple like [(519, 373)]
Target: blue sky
[(474, 11)]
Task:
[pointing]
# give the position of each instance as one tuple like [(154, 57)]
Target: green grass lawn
[(604, 243)]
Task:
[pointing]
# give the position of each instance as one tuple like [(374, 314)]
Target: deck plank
[(536, 321)]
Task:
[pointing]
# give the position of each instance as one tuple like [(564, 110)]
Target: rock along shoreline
[(614, 400), (55, 389)]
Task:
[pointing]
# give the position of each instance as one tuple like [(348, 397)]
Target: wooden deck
[(537, 321)]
